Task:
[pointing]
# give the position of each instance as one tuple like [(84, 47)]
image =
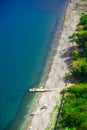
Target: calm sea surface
[(25, 29)]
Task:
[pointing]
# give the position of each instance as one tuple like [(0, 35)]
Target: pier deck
[(42, 89), (47, 89)]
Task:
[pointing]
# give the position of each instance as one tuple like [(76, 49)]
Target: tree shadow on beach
[(66, 55)]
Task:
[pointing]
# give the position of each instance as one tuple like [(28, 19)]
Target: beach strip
[(47, 101)]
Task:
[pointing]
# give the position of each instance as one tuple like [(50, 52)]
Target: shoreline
[(57, 71), (49, 57)]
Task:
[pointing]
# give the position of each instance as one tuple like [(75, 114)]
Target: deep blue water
[(25, 30)]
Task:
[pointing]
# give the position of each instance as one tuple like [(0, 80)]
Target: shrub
[(83, 20), (74, 54)]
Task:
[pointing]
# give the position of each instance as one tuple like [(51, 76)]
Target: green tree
[(83, 20)]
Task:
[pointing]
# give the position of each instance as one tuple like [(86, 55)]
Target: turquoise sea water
[(25, 30)]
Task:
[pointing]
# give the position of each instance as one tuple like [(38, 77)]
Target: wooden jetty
[(42, 89)]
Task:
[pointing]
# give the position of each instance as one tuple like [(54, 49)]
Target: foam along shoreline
[(59, 67)]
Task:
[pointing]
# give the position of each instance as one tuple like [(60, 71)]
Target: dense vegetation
[(74, 109), (79, 54)]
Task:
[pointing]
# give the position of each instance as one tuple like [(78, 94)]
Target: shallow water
[(25, 29)]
